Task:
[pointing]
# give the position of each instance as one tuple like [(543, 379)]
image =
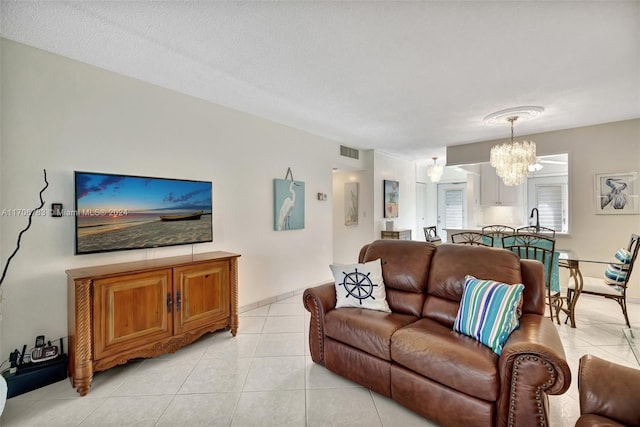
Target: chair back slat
[(498, 231), (533, 246), (540, 248), (471, 238), (537, 230), (633, 247)]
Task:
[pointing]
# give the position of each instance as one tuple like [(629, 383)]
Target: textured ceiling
[(406, 78)]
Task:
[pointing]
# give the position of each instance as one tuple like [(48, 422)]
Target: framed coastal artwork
[(391, 198), (288, 204), (351, 194), (617, 193)]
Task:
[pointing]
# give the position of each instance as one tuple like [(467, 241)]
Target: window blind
[(550, 205), (454, 208)]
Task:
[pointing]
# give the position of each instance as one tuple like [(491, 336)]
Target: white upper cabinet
[(493, 192)]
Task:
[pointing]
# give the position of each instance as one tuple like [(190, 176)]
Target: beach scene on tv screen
[(116, 212)]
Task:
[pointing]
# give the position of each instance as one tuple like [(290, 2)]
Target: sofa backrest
[(405, 267), (425, 280), (451, 263)]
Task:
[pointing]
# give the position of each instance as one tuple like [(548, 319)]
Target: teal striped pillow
[(489, 311), (616, 272)]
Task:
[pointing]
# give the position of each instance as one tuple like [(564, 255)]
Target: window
[(550, 195), (451, 207)]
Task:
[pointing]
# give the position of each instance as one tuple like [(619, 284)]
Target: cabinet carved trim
[(140, 309)]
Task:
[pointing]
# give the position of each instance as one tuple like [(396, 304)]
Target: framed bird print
[(288, 203), (617, 193)]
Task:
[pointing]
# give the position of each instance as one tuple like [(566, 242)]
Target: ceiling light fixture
[(435, 171), (512, 160)]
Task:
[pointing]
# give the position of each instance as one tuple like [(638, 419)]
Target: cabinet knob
[(178, 301), (169, 302)]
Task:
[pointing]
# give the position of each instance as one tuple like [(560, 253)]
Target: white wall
[(609, 147), (63, 115), (2, 254), (393, 168), (348, 239)]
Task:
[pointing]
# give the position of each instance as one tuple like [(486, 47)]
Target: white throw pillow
[(360, 286)]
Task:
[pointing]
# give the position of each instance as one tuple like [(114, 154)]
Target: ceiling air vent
[(349, 152)]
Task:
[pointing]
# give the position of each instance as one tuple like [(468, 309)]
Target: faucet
[(535, 210)]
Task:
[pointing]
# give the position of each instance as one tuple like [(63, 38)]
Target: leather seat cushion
[(452, 359), (367, 330)]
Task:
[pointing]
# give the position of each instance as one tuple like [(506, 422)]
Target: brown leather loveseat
[(413, 355)]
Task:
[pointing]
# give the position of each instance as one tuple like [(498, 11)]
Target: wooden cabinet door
[(130, 311), (202, 295)]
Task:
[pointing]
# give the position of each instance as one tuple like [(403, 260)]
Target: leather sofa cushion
[(450, 265), (447, 357), (405, 267), (366, 330)]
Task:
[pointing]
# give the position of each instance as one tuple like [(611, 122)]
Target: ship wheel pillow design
[(360, 286)]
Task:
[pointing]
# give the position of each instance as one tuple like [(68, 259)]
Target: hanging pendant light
[(512, 160), (435, 171)]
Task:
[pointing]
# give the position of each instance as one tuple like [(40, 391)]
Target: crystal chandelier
[(435, 171), (512, 160)]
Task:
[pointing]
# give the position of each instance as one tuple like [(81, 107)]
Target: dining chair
[(540, 248), (539, 230), (498, 231), (471, 238), (614, 282), (431, 235)]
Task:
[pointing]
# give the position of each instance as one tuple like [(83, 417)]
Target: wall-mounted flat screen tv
[(121, 212)]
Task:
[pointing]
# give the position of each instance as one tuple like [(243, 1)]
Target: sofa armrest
[(318, 301), (532, 365), (609, 390)]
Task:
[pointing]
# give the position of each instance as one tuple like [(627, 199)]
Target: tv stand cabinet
[(118, 312)]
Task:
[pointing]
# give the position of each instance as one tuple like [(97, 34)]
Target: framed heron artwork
[(288, 204), (617, 193)]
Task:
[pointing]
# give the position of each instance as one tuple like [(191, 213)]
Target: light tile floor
[(265, 377)]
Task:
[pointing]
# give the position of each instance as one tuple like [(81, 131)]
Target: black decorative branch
[(6, 267)]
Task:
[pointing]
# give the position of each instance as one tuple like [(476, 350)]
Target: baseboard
[(271, 300)]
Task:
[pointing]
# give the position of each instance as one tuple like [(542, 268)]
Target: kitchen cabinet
[(493, 192)]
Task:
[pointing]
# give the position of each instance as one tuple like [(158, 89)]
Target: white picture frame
[(616, 193)]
